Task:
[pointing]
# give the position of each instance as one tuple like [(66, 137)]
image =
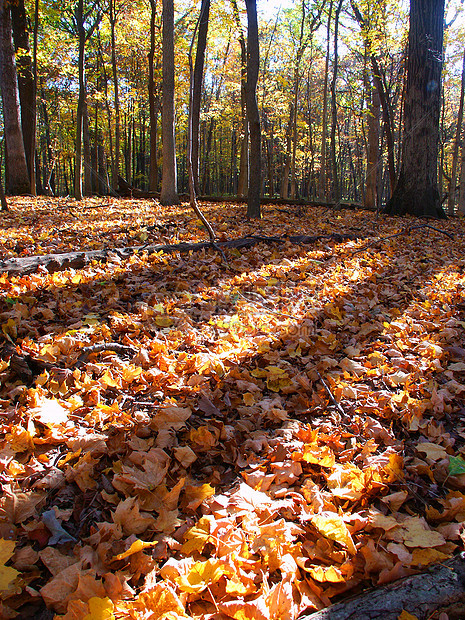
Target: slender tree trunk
[(373, 160), (169, 192), (3, 202), (322, 178), (90, 170), (197, 88), (417, 190), (461, 198), (81, 102), (244, 142), (153, 104), (26, 83), (114, 68), (336, 186), (284, 193), (455, 152), (253, 116), (18, 177)]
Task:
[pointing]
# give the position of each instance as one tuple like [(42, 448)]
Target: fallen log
[(442, 587), (78, 260)]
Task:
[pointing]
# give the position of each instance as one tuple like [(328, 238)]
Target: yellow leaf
[(100, 609), (9, 329), (163, 321), (326, 573), (196, 494), (131, 372), (316, 455), (137, 545), (416, 533), (332, 526), (423, 557), (108, 380), (406, 616), (197, 537), (202, 575), (7, 574)]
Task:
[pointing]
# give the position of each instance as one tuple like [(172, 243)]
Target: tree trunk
[(3, 202), (244, 141), (253, 116), (169, 192), (114, 68), (370, 200), (417, 191), (336, 193), (153, 104), (89, 169), (322, 178), (197, 88), (26, 84), (18, 177), (455, 152), (461, 199), (81, 101), (284, 191)]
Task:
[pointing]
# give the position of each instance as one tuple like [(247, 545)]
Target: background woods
[(326, 119)]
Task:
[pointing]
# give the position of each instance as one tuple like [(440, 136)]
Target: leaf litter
[(185, 438)]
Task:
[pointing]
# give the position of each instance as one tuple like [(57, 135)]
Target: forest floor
[(182, 436)]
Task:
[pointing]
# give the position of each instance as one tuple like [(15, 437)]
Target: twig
[(331, 397), (404, 231)]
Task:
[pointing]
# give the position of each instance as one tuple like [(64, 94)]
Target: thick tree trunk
[(417, 190), (169, 191), (197, 89), (253, 116), (18, 177), (26, 84)]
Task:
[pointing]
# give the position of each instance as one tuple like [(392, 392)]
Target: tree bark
[(197, 88), (26, 84), (169, 191), (417, 192), (336, 193), (322, 177), (114, 68), (253, 116), (81, 101), (3, 202), (18, 177), (455, 152), (244, 141), (153, 103), (371, 194), (442, 586)]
